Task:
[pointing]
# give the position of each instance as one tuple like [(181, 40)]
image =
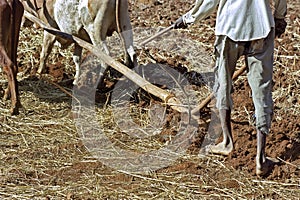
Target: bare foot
[(220, 149), (266, 167)]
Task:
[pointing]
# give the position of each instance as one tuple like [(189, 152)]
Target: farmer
[(243, 27)]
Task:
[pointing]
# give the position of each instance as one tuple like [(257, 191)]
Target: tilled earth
[(283, 141), (43, 157)]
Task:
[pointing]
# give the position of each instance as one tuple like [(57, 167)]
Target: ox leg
[(226, 146), (106, 50), (130, 56), (104, 66), (48, 42), (77, 59), (127, 37), (98, 40), (12, 89), (9, 58)]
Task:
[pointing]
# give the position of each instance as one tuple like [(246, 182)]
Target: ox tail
[(117, 16), (13, 32), (16, 17)]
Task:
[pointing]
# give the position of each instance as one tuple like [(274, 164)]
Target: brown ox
[(11, 12), (91, 20)]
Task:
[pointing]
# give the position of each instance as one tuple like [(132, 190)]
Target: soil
[(42, 155), (284, 138)]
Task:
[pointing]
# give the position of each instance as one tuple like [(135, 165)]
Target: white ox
[(91, 20)]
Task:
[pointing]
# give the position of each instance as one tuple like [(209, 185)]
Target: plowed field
[(43, 155)]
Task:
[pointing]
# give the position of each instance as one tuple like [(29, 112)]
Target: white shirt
[(240, 20)]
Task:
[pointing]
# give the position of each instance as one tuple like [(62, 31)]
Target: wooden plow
[(166, 97)]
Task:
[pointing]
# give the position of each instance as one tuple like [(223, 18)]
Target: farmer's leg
[(227, 54), (226, 146), (260, 79)]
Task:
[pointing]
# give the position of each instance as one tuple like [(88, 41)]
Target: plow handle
[(157, 35)]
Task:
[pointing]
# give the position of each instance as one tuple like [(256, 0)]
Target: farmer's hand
[(280, 25), (179, 23)]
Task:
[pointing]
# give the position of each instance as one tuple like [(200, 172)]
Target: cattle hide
[(11, 12), (91, 20)]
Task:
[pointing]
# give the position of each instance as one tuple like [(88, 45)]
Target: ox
[(11, 12), (91, 20)]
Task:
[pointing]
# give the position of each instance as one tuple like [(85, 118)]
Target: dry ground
[(43, 157)]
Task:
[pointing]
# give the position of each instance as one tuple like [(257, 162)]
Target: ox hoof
[(75, 82), (6, 95), (219, 149), (266, 168), (39, 71), (14, 111)]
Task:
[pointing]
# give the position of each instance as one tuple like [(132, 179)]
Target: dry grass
[(43, 157)]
